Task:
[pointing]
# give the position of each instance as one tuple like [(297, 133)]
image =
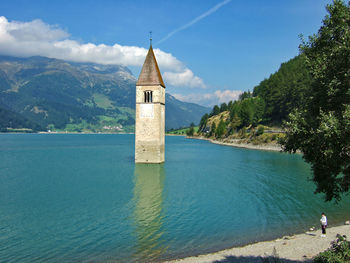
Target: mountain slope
[(57, 94), (13, 119), (285, 89), (181, 114)]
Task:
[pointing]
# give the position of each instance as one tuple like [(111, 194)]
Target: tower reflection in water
[(148, 214)]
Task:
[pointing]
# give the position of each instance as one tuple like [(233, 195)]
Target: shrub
[(260, 130), (339, 252), (243, 132), (190, 131)]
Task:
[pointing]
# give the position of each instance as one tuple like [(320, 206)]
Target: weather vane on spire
[(150, 37)]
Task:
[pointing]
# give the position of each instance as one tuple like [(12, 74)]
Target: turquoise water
[(81, 198)]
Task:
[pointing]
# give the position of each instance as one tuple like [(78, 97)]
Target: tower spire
[(150, 74), (150, 37), (150, 112)]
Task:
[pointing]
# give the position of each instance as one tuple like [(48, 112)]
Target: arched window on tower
[(148, 96)]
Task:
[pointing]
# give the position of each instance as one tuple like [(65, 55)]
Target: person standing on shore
[(323, 221)]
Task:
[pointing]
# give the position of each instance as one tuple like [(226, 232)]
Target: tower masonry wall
[(158, 93), (150, 125)]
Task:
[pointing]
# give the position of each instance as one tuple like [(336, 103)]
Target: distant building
[(150, 113)]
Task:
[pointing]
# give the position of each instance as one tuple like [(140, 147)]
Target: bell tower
[(150, 113)]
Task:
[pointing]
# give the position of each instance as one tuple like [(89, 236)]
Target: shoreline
[(238, 144), (300, 247), (67, 133)]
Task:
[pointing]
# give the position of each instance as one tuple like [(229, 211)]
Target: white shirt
[(323, 220)]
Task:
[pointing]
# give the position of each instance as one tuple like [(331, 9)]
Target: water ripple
[(72, 198)]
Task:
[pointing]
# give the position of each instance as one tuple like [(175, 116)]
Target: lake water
[(81, 198)]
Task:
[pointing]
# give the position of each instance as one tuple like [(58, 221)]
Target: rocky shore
[(241, 144), (289, 249)]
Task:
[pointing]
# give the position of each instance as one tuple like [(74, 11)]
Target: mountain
[(269, 104), (189, 112), (45, 93), (13, 119), (285, 89)]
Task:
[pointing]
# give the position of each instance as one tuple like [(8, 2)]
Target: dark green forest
[(12, 119), (269, 103)]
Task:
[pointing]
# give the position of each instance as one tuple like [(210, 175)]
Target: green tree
[(229, 105), (235, 122), (221, 129), (321, 129), (245, 95), (203, 122), (259, 110), (223, 107), (190, 131), (246, 112), (212, 129), (235, 109), (215, 111)]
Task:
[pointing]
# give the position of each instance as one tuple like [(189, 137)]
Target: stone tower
[(150, 113)]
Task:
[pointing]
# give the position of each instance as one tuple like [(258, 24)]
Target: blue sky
[(214, 49)]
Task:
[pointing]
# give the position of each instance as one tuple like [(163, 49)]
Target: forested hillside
[(15, 120), (41, 93), (284, 90), (269, 103)]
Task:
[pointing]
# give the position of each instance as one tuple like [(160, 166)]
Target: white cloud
[(210, 99), (227, 95), (184, 78), (23, 39), (35, 30)]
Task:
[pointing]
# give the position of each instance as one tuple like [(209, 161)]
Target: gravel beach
[(291, 249)]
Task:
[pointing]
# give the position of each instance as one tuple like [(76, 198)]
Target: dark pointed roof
[(150, 74)]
